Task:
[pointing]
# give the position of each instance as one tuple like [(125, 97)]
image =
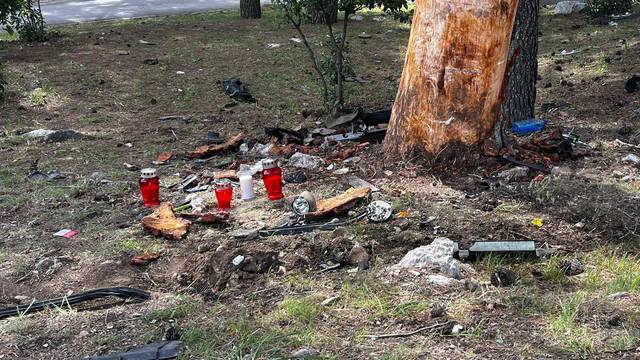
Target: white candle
[(246, 185)]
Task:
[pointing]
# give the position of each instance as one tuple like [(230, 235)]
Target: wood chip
[(144, 259), (163, 222), (340, 203), (226, 174), (217, 149), (162, 158)]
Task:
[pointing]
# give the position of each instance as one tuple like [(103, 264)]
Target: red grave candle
[(224, 193), (272, 177), (149, 187)]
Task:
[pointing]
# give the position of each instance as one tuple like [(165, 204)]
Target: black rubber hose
[(125, 293)]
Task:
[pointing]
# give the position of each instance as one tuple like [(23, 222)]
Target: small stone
[(457, 329), (515, 173), (237, 260), (304, 353), (619, 295), (441, 280), (631, 158), (471, 285), (558, 171), (503, 277), (21, 298), (573, 267), (579, 225), (615, 320), (330, 301), (355, 17), (364, 35), (403, 223), (43, 264), (83, 333), (244, 234), (438, 310), (359, 256), (203, 248)]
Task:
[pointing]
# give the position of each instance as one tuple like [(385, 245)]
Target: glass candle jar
[(224, 193), (149, 187), (246, 184), (272, 177)]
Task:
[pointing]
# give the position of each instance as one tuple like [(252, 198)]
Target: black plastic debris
[(124, 293), (359, 116), (286, 136), (503, 277), (159, 350), (296, 178), (237, 90), (633, 84), (213, 138)]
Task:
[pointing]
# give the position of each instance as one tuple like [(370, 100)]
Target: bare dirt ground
[(93, 78)]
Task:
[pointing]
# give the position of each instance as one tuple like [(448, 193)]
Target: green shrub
[(597, 8)]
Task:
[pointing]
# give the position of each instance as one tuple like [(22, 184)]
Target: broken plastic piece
[(160, 350), (528, 126), (304, 203), (67, 233)]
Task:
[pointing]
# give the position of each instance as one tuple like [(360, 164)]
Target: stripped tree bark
[(520, 95), (452, 85)]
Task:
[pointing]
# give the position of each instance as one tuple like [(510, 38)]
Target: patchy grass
[(302, 311), (185, 305)]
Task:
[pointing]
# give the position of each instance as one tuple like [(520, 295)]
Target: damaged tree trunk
[(250, 9), (451, 90), (520, 95)]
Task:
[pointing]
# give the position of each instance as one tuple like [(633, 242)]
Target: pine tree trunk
[(250, 9), (324, 11), (520, 95), (450, 92)]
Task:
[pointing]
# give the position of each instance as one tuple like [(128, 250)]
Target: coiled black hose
[(125, 293)]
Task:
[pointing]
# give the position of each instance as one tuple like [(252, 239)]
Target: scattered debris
[(537, 222), (184, 118), (379, 211), (163, 158), (304, 203), (330, 301), (438, 254), (151, 61), (297, 177), (131, 167), (301, 160), (159, 350), (407, 334), (438, 310), (144, 259), (237, 90), (273, 45), (482, 248), (355, 17), (357, 182), (285, 136), (569, 7), (296, 40), (305, 353), (163, 222), (503, 277), (573, 267), (516, 173), (632, 84), (128, 294), (525, 127), (441, 280), (457, 329), (338, 204), (614, 296), (217, 149), (55, 135), (364, 35), (66, 233), (244, 234)]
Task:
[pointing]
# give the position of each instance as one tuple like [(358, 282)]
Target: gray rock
[(503, 277), (55, 135), (441, 280), (244, 234), (203, 248), (437, 254), (44, 264), (305, 161), (563, 171), (21, 298), (573, 267), (569, 7), (438, 310), (330, 301), (632, 158), (304, 353), (359, 256), (515, 173)]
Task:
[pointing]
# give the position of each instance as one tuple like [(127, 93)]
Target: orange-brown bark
[(451, 87)]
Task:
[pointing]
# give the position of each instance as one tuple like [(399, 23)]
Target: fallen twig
[(407, 334)]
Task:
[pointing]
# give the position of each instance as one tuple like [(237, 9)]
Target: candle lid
[(268, 164), (148, 173), (222, 184)]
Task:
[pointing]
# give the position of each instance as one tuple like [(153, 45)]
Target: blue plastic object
[(528, 126)]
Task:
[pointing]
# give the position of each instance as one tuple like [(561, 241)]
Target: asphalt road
[(94, 10)]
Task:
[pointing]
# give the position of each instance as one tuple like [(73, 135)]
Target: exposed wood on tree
[(520, 94), (250, 9), (163, 222), (450, 92)]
